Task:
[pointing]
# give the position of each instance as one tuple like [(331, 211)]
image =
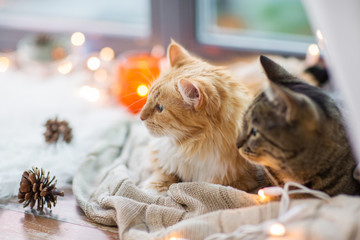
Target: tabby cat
[(194, 110), (297, 132)]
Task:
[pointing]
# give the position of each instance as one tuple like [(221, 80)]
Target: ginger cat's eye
[(159, 108)]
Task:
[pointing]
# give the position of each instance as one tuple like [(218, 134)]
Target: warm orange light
[(142, 64), (135, 72), (4, 64), (107, 54), (93, 63), (142, 90), (77, 39), (65, 67), (277, 230)]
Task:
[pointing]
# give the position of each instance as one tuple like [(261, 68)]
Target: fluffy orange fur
[(194, 110)]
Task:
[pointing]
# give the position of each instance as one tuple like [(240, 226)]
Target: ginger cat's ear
[(190, 93), (176, 53)]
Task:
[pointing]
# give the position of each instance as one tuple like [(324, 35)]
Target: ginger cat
[(194, 110)]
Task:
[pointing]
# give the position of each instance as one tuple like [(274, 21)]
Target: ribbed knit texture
[(106, 188)]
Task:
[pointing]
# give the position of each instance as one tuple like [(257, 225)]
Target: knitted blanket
[(106, 187)]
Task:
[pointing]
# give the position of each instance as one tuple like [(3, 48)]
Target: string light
[(107, 54), (91, 94), (4, 64), (177, 238), (93, 63), (270, 192), (312, 55), (142, 90), (65, 67), (277, 230), (261, 193), (313, 50), (77, 39)]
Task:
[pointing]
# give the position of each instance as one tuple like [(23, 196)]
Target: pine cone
[(34, 186), (55, 129)]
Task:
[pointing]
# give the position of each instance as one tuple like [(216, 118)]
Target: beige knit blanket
[(106, 189)]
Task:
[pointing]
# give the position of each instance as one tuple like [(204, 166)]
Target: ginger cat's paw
[(159, 183)]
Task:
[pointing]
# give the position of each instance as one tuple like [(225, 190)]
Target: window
[(213, 29), (109, 17), (260, 25)]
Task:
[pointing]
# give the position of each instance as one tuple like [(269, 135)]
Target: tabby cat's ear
[(274, 71), (295, 106), (190, 93), (176, 53)]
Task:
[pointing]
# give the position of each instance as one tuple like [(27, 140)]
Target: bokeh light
[(277, 230), (4, 64), (93, 63), (142, 90), (107, 54), (313, 50), (91, 94), (261, 193), (65, 67), (77, 39)]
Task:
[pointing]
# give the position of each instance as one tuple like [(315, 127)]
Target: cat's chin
[(155, 134)]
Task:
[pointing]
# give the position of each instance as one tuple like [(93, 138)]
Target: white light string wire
[(285, 214)]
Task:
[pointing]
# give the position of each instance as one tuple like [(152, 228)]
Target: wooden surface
[(65, 221)]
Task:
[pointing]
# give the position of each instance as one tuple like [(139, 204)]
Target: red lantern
[(135, 73)]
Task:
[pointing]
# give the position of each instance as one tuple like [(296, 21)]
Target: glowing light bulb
[(177, 238), (277, 230), (4, 64), (312, 55), (91, 94), (107, 54), (93, 63), (261, 193), (142, 90), (313, 49), (77, 39), (65, 67)]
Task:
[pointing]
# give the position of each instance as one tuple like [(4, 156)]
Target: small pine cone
[(55, 129), (34, 186)]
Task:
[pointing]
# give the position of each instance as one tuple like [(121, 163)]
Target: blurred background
[(208, 27)]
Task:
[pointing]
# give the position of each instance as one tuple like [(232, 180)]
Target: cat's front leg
[(159, 182)]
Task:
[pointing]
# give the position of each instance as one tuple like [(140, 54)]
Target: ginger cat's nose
[(143, 116)]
